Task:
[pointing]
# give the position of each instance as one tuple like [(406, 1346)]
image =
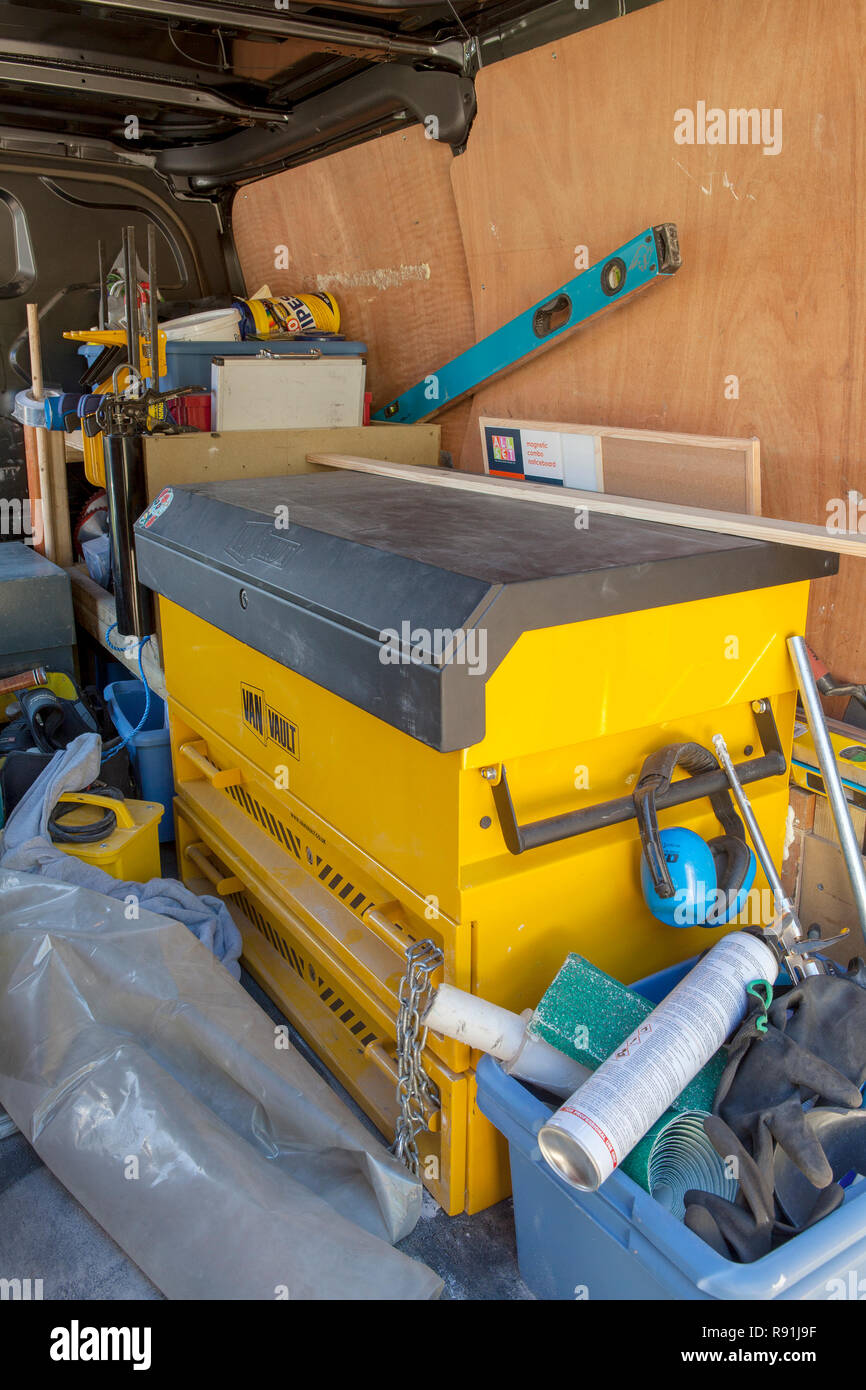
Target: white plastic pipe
[(469, 1019), (544, 1065)]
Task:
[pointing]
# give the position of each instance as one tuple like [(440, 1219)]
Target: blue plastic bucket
[(618, 1243), (149, 749)]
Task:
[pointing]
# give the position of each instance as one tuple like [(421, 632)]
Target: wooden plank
[(824, 826), (758, 528), (377, 228), (801, 812), (56, 531), (731, 444), (803, 806), (696, 470), (172, 460), (96, 611), (826, 897), (574, 145)]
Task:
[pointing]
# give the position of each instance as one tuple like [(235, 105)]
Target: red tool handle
[(24, 681), (818, 667)]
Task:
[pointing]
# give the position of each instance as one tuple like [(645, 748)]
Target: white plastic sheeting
[(150, 1083)]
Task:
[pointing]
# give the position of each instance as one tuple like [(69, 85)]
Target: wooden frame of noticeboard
[(691, 469)]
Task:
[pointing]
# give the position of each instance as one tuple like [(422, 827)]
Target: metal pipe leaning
[(851, 850)]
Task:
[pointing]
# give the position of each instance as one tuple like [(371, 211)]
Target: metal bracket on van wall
[(519, 838), (284, 24), (372, 101)]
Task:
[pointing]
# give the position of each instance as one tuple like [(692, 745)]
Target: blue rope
[(147, 701)]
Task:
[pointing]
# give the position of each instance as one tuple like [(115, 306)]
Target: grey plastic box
[(37, 625)]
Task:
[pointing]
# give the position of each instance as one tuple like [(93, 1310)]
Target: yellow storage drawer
[(351, 1029), (366, 924)]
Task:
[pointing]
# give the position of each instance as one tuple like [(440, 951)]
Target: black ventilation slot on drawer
[(341, 887), (308, 973), (280, 833), (271, 824)]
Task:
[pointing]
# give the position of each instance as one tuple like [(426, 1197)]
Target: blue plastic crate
[(149, 749), (618, 1243)]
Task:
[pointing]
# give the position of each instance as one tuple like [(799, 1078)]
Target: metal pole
[(130, 276), (783, 903), (153, 325), (786, 926), (126, 494), (103, 288), (256, 20), (832, 781)]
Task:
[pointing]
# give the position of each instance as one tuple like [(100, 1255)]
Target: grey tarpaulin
[(25, 844), (150, 1083)]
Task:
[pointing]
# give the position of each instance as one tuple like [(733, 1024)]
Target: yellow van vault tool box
[(401, 713)]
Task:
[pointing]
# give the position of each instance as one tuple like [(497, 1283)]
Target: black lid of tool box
[(361, 555)]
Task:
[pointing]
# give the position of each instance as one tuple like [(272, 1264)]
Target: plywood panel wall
[(574, 146), (772, 289), (377, 227)]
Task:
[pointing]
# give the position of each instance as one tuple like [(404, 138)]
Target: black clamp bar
[(519, 838)]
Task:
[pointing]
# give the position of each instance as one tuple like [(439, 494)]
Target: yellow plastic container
[(94, 464), (131, 851), (289, 313)]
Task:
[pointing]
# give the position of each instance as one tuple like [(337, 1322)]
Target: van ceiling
[(213, 93)]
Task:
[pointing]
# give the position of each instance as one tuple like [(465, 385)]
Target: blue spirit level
[(634, 266)]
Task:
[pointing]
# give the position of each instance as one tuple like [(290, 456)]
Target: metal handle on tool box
[(294, 357), (218, 777), (376, 1053), (386, 931), (224, 884), (519, 838)]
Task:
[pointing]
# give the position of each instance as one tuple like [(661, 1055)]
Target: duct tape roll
[(61, 411), (675, 1157), (28, 411)]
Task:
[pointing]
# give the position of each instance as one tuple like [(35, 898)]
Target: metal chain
[(416, 1093)]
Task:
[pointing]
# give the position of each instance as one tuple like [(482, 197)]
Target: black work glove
[(749, 1228), (826, 1014), (818, 1053)]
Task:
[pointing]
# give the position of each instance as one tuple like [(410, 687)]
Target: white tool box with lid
[(266, 392)]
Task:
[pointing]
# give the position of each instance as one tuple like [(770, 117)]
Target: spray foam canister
[(610, 1112)]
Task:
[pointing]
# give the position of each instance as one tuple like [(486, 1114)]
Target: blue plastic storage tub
[(149, 749), (189, 364), (619, 1243)]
